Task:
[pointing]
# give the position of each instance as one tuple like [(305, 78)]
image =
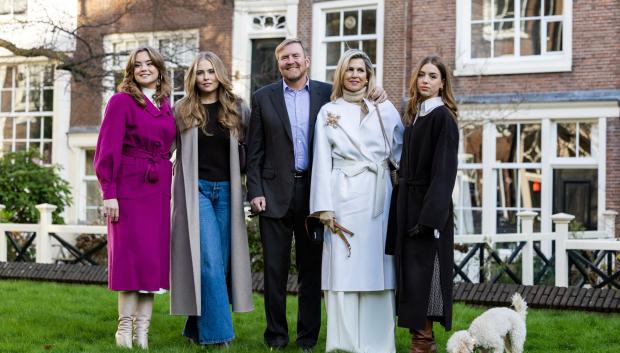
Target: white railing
[(564, 241), (43, 240)]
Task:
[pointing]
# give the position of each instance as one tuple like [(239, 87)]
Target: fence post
[(609, 217), (3, 249), (527, 254), (44, 248), (561, 221)]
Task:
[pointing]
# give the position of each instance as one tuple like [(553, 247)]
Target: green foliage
[(25, 183)]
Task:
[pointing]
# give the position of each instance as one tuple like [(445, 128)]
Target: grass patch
[(51, 317)]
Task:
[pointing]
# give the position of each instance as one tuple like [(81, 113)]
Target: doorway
[(264, 66)]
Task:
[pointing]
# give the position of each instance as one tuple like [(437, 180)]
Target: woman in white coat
[(351, 187)]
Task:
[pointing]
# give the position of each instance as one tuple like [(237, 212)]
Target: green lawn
[(49, 317)]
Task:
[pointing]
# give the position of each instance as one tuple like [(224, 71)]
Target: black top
[(214, 150)]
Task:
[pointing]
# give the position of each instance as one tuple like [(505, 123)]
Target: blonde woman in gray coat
[(208, 237)]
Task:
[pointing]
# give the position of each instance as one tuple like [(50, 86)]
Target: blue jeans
[(215, 323)]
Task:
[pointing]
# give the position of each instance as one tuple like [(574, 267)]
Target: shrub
[(25, 182)]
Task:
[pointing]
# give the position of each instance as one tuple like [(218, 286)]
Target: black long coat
[(427, 174)]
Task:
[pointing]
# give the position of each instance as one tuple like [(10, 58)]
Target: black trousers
[(276, 237)]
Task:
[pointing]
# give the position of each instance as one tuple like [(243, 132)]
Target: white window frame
[(151, 39), (45, 115), (318, 38), (547, 114), (546, 62), (84, 179)]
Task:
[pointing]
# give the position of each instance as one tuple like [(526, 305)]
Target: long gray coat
[(185, 230)]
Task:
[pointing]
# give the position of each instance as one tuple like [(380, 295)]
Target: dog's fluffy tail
[(520, 305)]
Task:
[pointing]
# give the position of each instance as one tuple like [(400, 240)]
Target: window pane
[(506, 143), (329, 75), (48, 76), (530, 143), (94, 216), (332, 24), (350, 23), (530, 37), (35, 128), (178, 78), (93, 194), (504, 9), (20, 146), (351, 45), (471, 223), (369, 21), (5, 7), (530, 8), (47, 153), (20, 91), (507, 187), (35, 101), (48, 100), (35, 76), (6, 128), (89, 157), (370, 48), (504, 39), (575, 191), (47, 127), (554, 7), (472, 143), (554, 36), (20, 127), (481, 40), (480, 10), (35, 146), (530, 185), (333, 53), (506, 221), (567, 139), (471, 187), (585, 132), (7, 147)]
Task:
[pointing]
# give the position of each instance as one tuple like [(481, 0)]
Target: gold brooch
[(332, 119)]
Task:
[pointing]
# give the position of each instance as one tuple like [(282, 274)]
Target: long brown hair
[(341, 69), (415, 99), (189, 110), (131, 86)]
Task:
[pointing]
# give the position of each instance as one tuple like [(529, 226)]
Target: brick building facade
[(538, 85)]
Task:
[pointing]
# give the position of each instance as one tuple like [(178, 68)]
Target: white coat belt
[(352, 168)]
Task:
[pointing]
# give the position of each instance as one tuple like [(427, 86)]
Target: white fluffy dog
[(493, 331)]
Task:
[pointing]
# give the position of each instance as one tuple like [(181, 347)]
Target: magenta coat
[(132, 165)]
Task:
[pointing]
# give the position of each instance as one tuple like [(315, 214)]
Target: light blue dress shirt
[(298, 109)]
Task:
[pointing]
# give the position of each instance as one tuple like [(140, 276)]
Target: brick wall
[(213, 19), (596, 63), (613, 169)]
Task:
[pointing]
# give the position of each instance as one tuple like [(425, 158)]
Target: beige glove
[(328, 218)]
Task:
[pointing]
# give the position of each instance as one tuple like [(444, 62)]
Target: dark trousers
[(276, 237)]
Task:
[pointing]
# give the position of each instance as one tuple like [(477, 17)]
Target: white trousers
[(360, 322)]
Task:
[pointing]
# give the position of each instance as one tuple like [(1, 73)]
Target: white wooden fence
[(564, 240)]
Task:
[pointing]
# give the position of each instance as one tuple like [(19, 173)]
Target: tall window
[(92, 207), (468, 205), (26, 108), (359, 26), (178, 48), (532, 34), (13, 7)]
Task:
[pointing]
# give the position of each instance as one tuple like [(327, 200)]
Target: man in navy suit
[(278, 179)]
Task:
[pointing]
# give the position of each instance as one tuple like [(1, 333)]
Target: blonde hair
[(341, 69), (189, 111), (446, 92), (131, 86), (286, 42)]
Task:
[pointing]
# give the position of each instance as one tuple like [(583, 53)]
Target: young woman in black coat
[(424, 242)]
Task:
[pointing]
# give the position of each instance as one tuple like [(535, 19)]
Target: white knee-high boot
[(143, 320), (127, 303)]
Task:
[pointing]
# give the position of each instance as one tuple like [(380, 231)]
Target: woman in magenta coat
[(134, 171)]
